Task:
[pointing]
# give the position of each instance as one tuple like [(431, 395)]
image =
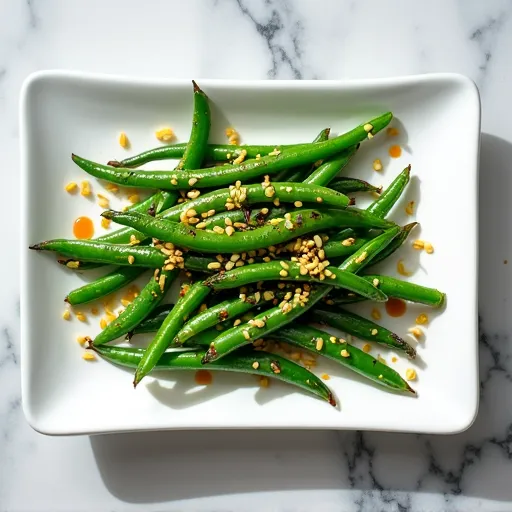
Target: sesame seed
[(214, 265), (255, 365), (297, 204), (66, 315), (348, 242), (429, 248), (264, 211), (381, 376), (270, 191), (400, 267), (376, 315), (410, 374), (325, 376), (275, 367), (246, 334), (237, 322), (368, 127), (230, 230), (344, 353), (318, 241), (375, 282), (85, 188), (288, 189), (164, 135), (71, 187), (193, 194), (268, 295), (374, 332), (131, 259), (134, 198), (218, 229), (409, 209), (284, 265), (361, 257), (319, 200), (367, 347), (174, 181), (422, 319), (377, 165), (416, 332), (88, 356), (264, 382), (123, 140), (283, 273), (230, 265), (332, 339), (276, 201), (201, 225), (319, 343), (418, 245)]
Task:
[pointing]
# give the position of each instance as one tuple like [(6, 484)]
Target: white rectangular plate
[(438, 117)]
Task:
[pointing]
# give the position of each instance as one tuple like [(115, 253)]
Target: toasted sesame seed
[(218, 229), (276, 201), (332, 339), (374, 332), (230, 230), (422, 319), (123, 140), (193, 194), (376, 315), (214, 265), (131, 259), (255, 365), (344, 353), (429, 248), (416, 332), (288, 189), (284, 265), (237, 322), (325, 376), (367, 347), (283, 273), (348, 242), (81, 316), (85, 188), (268, 295), (361, 257), (368, 127), (319, 200), (66, 315), (381, 376), (71, 187), (88, 356), (410, 374), (409, 209), (400, 267), (377, 165), (192, 181), (211, 213), (229, 265), (201, 225), (239, 263), (164, 135), (318, 241), (275, 367), (174, 181), (246, 334), (319, 343), (418, 245), (375, 282)]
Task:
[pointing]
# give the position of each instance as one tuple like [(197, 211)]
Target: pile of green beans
[(269, 242)]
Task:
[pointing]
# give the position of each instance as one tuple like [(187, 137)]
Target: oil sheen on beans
[(203, 377), (395, 307), (83, 228)]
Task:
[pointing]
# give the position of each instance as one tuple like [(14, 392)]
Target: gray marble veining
[(281, 471)]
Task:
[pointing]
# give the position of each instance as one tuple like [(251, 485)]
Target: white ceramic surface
[(438, 117)]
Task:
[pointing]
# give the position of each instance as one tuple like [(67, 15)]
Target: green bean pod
[(228, 309), (297, 174), (102, 286), (360, 327), (382, 206), (330, 169), (147, 300), (395, 244), (290, 271), (289, 371), (350, 185), (187, 303), (243, 334), (349, 243), (301, 222), (398, 289), (226, 174), (102, 252), (363, 257), (256, 194), (358, 361), (152, 322)]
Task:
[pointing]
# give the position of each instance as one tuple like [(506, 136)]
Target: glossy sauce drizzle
[(83, 228), (203, 377), (395, 151), (395, 307)]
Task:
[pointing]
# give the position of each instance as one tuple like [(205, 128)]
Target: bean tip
[(36, 247), (108, 214), (66, 299), (196, 87), (410, 390), (114, 163), (352, 201), (331, 400)]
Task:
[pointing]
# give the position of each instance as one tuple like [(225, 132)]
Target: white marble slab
[(275, 471)]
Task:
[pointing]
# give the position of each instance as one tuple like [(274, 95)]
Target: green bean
[(278, 317), (253, 362), (398, 289), (168, 330), (395, 244), (350, 185), (226, 174), (152, 322), (350, 242), (364, 364), (218, 200), (147, 300), (297, 174), (382, 206), (196, 148), (103, 285), (102, 252), (228, 309), (300, 223), (360, 327), (291, 271), (329, 169), (214, 153)]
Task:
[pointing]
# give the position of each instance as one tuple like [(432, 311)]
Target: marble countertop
[(274, 471)]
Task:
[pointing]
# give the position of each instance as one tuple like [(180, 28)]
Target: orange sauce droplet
[(395, 307), (395, 151), (83, 228), (203, 377), (392, 132)]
